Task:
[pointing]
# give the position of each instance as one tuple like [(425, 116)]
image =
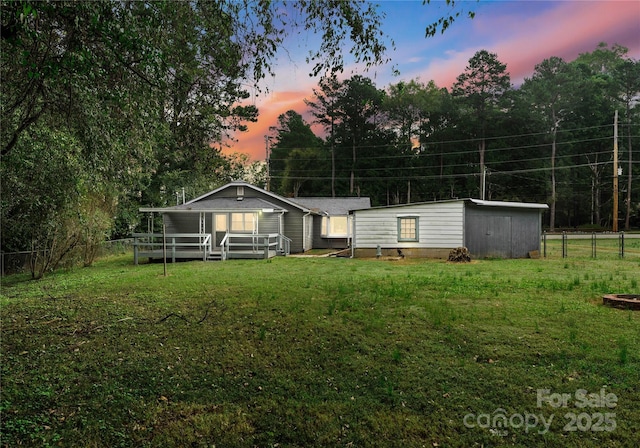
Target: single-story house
[(432, 229), (240, 220), (332, 223)]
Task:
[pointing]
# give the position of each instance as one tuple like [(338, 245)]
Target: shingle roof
[(228, 204), (334, 206)]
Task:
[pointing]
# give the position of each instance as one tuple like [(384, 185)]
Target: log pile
[(459, 255)]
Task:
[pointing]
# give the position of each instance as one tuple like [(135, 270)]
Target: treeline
[(549, 140), (108, 105)]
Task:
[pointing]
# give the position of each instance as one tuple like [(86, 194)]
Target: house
[(432, 229), (332, 224), (240, 220)]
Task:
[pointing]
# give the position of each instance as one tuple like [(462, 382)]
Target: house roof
[(227, 204), (319, 205), (241, 183), (334, 206)]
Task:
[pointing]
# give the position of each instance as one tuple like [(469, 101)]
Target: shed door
[(490, 236)]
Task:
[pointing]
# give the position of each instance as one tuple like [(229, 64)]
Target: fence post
[(593, 244), (544, 243), (564, 244), (621, 245)]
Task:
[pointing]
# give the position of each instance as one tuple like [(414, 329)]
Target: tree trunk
[(481, 151), (353, 166)]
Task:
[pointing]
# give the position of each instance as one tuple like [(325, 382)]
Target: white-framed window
[(335, 226), (243, 222), (408, 228)]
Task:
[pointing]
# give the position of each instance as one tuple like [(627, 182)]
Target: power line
[(473, 151), (448, 176)]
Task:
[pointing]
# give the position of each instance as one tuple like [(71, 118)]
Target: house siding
[(293, 229), (440, 226), (268, 223)]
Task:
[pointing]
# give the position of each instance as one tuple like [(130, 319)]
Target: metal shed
[(432, 229)]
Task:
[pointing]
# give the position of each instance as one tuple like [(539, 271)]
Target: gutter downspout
[(304, 232), (352, 229)]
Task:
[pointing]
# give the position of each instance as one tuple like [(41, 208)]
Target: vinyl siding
[(440, 225), (292, 222)]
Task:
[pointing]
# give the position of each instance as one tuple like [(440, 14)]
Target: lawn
[(317, 352)]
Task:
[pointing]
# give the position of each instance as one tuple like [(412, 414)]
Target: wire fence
[(16, 262), (591, 245), (552, 245)]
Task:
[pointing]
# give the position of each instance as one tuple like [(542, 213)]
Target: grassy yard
[(304, 352)]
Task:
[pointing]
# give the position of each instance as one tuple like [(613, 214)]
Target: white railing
[(255, 245), (171, 245), (284, 245)]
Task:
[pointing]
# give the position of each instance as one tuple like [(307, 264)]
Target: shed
[(432, 229)]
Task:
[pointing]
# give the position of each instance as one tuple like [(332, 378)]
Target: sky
[(521, 33)]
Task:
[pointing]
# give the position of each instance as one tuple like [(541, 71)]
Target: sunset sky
[(521, 33)]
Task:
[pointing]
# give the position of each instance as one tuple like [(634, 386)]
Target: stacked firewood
[(459, 255)]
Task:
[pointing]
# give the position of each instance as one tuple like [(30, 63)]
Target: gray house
[(240, 220), (432, 229), (332, 223)]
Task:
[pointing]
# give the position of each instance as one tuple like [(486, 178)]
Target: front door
[(221, 221)]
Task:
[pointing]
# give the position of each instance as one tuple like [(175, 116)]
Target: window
[(335, 226), (243, 222), (408, 228), (221, 223)]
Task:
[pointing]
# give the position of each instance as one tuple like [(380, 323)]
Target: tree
[(147, 91), (292, 133), (626, 78), (481, 88), (552, 93), (326, 113)]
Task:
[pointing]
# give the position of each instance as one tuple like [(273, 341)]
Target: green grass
[(317, 352)]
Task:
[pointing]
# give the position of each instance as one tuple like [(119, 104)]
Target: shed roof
[(477, 202)]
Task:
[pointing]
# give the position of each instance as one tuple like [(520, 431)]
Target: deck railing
[(256, 244), (181, 245)]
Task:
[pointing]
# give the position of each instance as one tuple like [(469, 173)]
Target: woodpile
[(459, 255)]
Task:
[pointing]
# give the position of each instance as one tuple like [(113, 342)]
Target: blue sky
[(521, 33)]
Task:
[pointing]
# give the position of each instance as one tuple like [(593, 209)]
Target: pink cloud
[(252, 142), (520, 38)]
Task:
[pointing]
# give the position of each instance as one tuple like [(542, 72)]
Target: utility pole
[(615, 172)]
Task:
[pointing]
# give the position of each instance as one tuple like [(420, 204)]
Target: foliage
[(362, 352), (548, 140), (142, 95), (293, 137)]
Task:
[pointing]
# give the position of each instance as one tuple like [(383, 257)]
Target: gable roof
[(241, 183), (226, 204), (334, 206)]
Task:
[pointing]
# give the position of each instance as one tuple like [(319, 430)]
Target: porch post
[(202, 230)]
